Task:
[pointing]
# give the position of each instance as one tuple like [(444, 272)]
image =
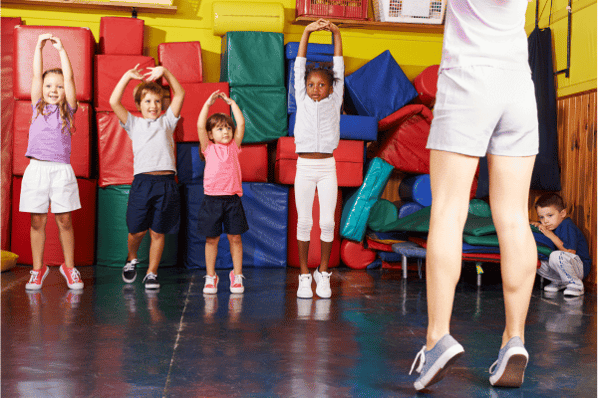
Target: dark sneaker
[(151, 281), (432, 365), (509, 368), (130, 271)]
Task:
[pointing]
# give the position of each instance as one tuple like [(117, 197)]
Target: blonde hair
[(65, 115)]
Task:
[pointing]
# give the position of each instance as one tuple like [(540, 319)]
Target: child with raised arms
[(154, 200), (222, 210), (319, 96), (49, 180)]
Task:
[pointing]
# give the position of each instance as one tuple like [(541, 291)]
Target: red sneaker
[(236, 283), (37, 278), (72, 276)]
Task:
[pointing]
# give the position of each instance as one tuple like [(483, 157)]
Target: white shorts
[(49, 182), (482, 109)]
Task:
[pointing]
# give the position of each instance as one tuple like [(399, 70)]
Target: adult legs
[(451, 175), (510, 179)]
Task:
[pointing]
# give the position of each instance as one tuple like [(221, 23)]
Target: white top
[(317, 125), (153, 142), (485, 32)]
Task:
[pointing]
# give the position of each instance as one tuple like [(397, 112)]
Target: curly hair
[(324, 68), (65, 116), (220, 118)]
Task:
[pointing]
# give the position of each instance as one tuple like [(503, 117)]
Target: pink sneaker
[(211, 285), (236, 283), (37, 278), (72, 276)]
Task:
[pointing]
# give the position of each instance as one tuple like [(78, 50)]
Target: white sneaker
[(211, 285), (322, 283), (554, 287), (304, 290), (573, 290)]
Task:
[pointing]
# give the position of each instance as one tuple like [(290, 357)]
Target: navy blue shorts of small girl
[(218, 214), (154, 202)]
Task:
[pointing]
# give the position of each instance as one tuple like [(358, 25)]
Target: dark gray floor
[(114, 341)]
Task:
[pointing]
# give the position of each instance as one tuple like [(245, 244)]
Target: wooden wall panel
[(577, 156)]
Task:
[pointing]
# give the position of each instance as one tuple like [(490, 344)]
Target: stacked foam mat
[(7, 128), (121, 46), (80, 45)]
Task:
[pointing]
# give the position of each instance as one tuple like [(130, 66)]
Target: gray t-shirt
[(153, 142)]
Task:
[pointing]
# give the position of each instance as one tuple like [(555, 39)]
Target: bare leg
[(326, 249), (451, 175), (155, 253), (211, 253), (236, 252), (510, 179), (303, 256), (38, 238), (133, 242), (67, 237)]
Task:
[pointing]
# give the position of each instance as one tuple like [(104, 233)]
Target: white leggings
[(312, 173)]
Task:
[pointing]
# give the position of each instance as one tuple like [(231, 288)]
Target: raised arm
[(178, 93), (37, 81), (118, 91), (239, 119), (320, 24), (203, 118), (336, 38), (67, 72)]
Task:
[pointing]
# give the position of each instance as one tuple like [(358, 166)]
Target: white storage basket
[(409, 11)]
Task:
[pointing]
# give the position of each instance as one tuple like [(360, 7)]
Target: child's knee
[(327, 231), (64, 221), (304, 226)]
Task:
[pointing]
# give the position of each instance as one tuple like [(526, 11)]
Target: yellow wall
[(413, 50), (193, 22), (583, 41)]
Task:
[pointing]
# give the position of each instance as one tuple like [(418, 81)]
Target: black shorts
[(154, 202), (218, 214)]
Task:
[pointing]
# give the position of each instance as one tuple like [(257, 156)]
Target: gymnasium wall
[(583, 41), (413, 50)]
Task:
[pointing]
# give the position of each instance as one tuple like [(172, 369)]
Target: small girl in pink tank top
[(222, 210)]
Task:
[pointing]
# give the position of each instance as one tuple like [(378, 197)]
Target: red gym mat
[(79, 45), (196, 95), (171, 54), (355, 256), (108, 71), (84, 225), (348, 155), (402, 139), (121, 35), (313, 259), (425, 84), (253, 160), (80, 139)]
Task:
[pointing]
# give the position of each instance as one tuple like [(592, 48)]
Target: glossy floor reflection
[(116, 340)]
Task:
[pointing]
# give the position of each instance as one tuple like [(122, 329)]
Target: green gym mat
[(112, 232)]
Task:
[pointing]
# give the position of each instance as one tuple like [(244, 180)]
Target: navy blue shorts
[(219, 214), (154, 202)]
